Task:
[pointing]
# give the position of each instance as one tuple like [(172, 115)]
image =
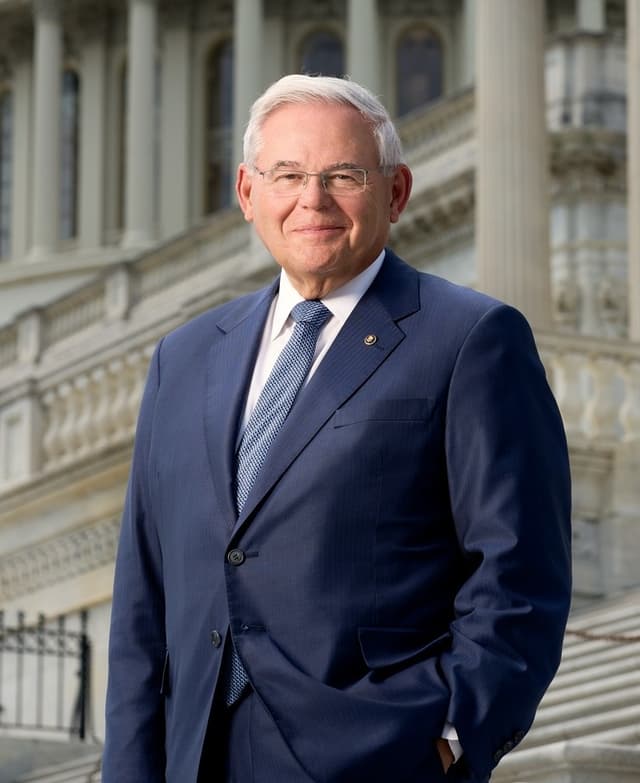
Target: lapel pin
[(370, 339)]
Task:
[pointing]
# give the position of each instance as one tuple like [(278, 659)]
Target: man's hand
[(444, 751)]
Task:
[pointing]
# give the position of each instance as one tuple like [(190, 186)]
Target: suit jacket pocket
[(383, 647), (383, 410)]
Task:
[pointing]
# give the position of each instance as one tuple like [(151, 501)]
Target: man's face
[(321, 241)]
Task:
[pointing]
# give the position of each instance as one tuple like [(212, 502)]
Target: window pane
[(418, 70), (69, 155), (6, 131), (323, 53), (219, 117)]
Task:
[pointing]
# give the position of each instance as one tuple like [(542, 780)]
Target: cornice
[(57, 559), (587, 161)]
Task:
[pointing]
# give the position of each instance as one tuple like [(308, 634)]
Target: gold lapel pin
[(370, 339)]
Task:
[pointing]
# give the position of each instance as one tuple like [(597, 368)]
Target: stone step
[(85, 770), (583, 726), (592, 679), (611, 700)]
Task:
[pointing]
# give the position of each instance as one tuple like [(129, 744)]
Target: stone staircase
[(587, 729)]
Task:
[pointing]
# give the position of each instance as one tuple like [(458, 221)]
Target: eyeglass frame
[(323, 174)]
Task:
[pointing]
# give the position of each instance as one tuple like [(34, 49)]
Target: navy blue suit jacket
[(407, 544)]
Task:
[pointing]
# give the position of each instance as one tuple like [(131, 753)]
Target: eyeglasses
[(345, 181)]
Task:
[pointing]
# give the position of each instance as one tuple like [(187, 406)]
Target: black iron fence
[(44, 674)]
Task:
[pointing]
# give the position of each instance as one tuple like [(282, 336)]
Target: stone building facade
[(120, 129)]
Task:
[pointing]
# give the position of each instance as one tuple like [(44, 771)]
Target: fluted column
[(590, 16), (633, 163), (46, 126), (93, 136), (176, 89), (512, 191), (363, 43), (139, 178), (467, 70), (247, 65)]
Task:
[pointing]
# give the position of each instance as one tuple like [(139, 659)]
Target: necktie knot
[(310, 311)]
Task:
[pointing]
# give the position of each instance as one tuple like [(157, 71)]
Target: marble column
[(139, 176), (633, 165), (46, 127), (590, 16), (467, 69), (363, 44), (21, 51), (176, 111), (247, 66), (91, 202), (512, 190)]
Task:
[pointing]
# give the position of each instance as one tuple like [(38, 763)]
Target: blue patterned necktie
[(273, 405)]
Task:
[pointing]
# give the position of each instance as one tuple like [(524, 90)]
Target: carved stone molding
[(57, 559), (437, 209), (588, 163)]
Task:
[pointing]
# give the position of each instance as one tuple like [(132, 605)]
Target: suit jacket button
[(216, 638), (508, 745), (235, 557)]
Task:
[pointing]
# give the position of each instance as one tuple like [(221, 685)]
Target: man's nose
[(314, 195)]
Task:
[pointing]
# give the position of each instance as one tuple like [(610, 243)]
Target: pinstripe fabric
[(272, 408)]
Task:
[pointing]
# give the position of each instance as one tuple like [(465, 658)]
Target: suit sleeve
[(509, 490), (134, 744)]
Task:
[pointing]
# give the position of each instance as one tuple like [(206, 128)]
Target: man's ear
[(244, 183), (400, 191)]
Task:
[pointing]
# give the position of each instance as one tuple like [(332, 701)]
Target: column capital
[(47, 9)]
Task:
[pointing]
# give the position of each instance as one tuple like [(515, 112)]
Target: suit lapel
[(348, 364), (230, 366)]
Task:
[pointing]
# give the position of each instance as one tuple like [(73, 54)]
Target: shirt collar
[(340, 302)]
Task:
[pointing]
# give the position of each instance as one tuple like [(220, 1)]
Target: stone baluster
[(602, 406), (67, 423), (83, 440), (119, 373), (630, 409), (568, 390)]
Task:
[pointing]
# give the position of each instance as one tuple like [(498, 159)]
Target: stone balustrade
[(597, 385), (79, 416), (94, 410)]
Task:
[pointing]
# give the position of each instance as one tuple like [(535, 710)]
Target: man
[(345, 546)]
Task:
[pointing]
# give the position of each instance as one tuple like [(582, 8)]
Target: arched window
[(322, 53), (6, 137), (219, 127), (418, 69), (70, 138)]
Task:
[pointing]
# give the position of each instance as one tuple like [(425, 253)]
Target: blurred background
[(120, 131)]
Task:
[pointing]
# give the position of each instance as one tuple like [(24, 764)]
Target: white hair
[(298, 88)]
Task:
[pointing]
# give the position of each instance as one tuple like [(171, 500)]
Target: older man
[(345, 548)]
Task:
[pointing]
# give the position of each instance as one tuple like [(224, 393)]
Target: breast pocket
[(392, 410)]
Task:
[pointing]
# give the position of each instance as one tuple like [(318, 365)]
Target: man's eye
[(341, 176), (289, 176)]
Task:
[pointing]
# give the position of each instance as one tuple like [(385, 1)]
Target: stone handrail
[(111, 295), (596, 383), (440, 126)]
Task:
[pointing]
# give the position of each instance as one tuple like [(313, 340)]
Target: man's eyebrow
[(294, 164), (286, 164)]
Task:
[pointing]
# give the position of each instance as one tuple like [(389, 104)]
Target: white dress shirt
[(277, 330)]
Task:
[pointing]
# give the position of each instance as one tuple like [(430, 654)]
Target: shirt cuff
[(451, 735)]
